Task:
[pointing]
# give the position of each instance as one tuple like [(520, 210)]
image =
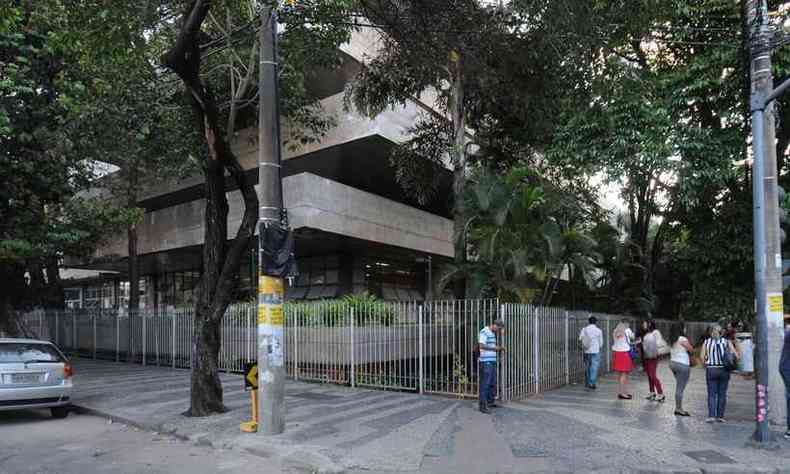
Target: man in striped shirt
[(487, 344)]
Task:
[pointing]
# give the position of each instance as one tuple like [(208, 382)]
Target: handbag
[(730, 360)]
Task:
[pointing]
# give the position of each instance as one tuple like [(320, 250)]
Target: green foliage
[(367, 310), (523, 231)]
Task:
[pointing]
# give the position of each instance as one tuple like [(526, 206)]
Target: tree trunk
[(56, 298), (206, 388), (458, 157), (221, 261), (10, 293), (133, 268)]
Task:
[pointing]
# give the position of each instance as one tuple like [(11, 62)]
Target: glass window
[(15, 352), (332, 276), (92, 297), (73, 297)]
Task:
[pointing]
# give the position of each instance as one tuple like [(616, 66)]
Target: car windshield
[(16, 352)]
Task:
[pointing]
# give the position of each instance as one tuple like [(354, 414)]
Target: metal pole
[(173, 341), (117, 336), (421, 350), (767, 257), (144, 337), (567, 350), (94, 336), (270, 288), (536, 352), (353, 351)]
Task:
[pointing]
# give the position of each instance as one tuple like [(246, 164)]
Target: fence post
[(94, 336), (420, 349), (173, 341), (567, 350), (74, 348), (504, 381), (143, 323), (536, 352), (353, 351), (117, 336), (294, 323)]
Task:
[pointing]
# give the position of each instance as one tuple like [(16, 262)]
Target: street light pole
[(272, 228), (767, 244)]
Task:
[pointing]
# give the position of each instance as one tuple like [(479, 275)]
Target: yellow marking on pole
[(775, 303)]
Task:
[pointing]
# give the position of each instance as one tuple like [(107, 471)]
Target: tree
[(41, 217), (493, 70), (187, 56)]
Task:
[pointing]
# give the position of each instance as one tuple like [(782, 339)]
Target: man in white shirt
[(592, 341)]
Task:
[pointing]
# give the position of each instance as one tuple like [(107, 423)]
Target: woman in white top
[(621, 358), (680, 363)]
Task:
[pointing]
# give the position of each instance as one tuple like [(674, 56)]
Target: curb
[(297, 457), (83, 410)]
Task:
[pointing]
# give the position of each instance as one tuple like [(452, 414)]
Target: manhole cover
[(709, 457), (527, 452)]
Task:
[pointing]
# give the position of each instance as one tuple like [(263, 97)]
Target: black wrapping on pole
[(277, 250)]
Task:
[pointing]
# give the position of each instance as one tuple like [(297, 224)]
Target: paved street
[(32, 442), (336, 428)]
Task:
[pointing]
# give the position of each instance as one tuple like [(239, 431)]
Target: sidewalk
[(332, 429)]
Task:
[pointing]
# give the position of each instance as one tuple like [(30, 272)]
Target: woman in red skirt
[(621, 358)]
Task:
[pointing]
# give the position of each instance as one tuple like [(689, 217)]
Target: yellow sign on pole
[(775, 303)]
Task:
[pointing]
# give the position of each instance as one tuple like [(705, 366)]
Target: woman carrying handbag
[(652, 346)]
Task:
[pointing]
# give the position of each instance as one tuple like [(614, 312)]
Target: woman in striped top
[(718, 377)]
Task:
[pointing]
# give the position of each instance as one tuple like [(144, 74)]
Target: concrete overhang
[(313, 202)]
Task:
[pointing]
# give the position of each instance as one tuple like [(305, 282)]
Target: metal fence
[(426, 347)]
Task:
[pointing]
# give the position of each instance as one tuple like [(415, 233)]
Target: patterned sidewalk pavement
[(332, 429)]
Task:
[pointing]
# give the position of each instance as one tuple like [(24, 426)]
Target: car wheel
[(60, 412)]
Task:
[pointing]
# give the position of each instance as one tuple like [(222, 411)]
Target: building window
[(73, 297), (92, 297), (389, 279), (318, 279)]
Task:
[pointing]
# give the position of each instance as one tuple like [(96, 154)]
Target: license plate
[(26, 378)]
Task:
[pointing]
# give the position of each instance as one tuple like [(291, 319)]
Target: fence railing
[(425, 347)]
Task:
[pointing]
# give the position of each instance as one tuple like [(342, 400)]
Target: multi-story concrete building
[(355, 228)]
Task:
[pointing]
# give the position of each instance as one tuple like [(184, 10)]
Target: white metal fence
[(420, 347)]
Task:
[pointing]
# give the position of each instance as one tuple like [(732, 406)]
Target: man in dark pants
[(489, 349)]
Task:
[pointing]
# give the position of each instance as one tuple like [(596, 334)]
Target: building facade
[(356, 230)]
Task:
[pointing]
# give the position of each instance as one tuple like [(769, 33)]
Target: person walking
[(621, 358), (784, 370), (487, 344), (714, 353), (592, 341), (680, 364), (651, 341)]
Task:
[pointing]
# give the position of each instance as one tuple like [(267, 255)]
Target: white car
[(34, 374)]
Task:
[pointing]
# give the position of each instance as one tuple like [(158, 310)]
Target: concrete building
[(355, 228)]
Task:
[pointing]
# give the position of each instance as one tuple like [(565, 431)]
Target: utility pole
[(769, 398), (273, 235)]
